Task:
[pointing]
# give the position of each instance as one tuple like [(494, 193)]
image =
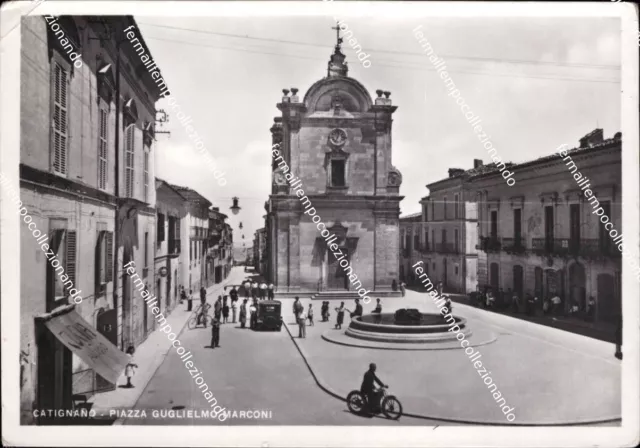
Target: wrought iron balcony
[(591, 247), (513, 245), (490, 244), (446, 248)]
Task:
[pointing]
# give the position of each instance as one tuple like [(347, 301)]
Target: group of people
[(552, 306), (302, 317), (255, 290)]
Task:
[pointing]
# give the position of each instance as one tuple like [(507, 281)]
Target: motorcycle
[(388, 405)]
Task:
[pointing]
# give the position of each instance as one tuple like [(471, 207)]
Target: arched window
[(129, 151)]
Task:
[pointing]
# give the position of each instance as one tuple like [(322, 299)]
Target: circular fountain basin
[(384, 328)]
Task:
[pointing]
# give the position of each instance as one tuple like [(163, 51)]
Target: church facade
[(337, 143)]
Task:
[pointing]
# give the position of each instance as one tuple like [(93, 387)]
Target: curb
[(122, 420), (334, 394)]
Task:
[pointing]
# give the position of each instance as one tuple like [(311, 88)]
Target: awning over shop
[(85, 341)]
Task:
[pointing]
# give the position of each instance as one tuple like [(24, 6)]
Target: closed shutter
[(102, 150), (60, 125), (109, 236), (71, 256), (128, 161)]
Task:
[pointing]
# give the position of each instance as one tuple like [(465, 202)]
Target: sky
[(568, 86)]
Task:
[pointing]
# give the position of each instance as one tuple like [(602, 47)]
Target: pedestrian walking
[(183, 295), (310, 315), (403, 288), (243, 313), (555, 305), (247, 289), (130, 369), (271, 291), (225, 311), (394, 285), (233, 294), (340, 317), (215, 333), (254, 290), (302, 325), (190, 300), (234, 309), (324, 311)]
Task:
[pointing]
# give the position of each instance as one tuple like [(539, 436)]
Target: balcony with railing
[(585, 247), (490, 244), (447, 248), (513, 245)]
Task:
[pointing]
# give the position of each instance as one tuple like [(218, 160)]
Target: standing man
[(203, 296), (254, 314), (247, 289), (302, 324), (190, 300), (254, 290), (403, 288), (183, 294), (215, 333), (297, 307), (271, 291), (263, 291)]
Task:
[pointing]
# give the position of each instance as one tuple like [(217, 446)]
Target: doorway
[(577, 290), (337, 277)]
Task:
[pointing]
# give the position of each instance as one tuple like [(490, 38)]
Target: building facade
[(76, 115), (337, 143), (411, 246), (260, 250), (219, 247), (168, 262), (196, 230), (542, 236)]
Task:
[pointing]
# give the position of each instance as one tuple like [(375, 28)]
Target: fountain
[(406, 325)]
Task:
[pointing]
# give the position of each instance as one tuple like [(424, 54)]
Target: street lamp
[(235, 208)]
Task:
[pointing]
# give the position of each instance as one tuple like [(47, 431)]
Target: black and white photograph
[(319, 223)]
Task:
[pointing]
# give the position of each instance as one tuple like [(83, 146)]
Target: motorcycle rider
[(367, 389)]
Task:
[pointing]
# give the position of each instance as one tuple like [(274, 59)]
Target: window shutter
[(60, 125), (109, 236), (102, 149), (71, 256)]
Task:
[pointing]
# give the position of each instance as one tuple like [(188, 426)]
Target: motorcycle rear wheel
[(355, 402), (391, 407)]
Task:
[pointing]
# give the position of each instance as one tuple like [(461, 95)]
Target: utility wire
[(385, 65), (447, 56)]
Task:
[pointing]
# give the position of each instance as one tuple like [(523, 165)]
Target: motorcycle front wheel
[(355, 402), (391, 407)]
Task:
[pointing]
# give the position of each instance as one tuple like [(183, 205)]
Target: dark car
[(269, 315)]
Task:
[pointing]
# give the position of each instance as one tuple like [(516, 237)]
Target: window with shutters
[(103, 119), (104, 262), (129, 161), (61, 267), (146, 176), (59, 124), (160, 228)]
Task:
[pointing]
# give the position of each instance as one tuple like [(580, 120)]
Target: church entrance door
[(337, 278)]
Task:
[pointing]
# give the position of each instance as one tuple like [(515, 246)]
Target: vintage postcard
[(320, 223)]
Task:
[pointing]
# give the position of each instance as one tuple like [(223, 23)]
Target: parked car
[(269, 315)]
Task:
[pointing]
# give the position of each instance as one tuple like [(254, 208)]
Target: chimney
[(455, 172), (477, 163), (591, 139)]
